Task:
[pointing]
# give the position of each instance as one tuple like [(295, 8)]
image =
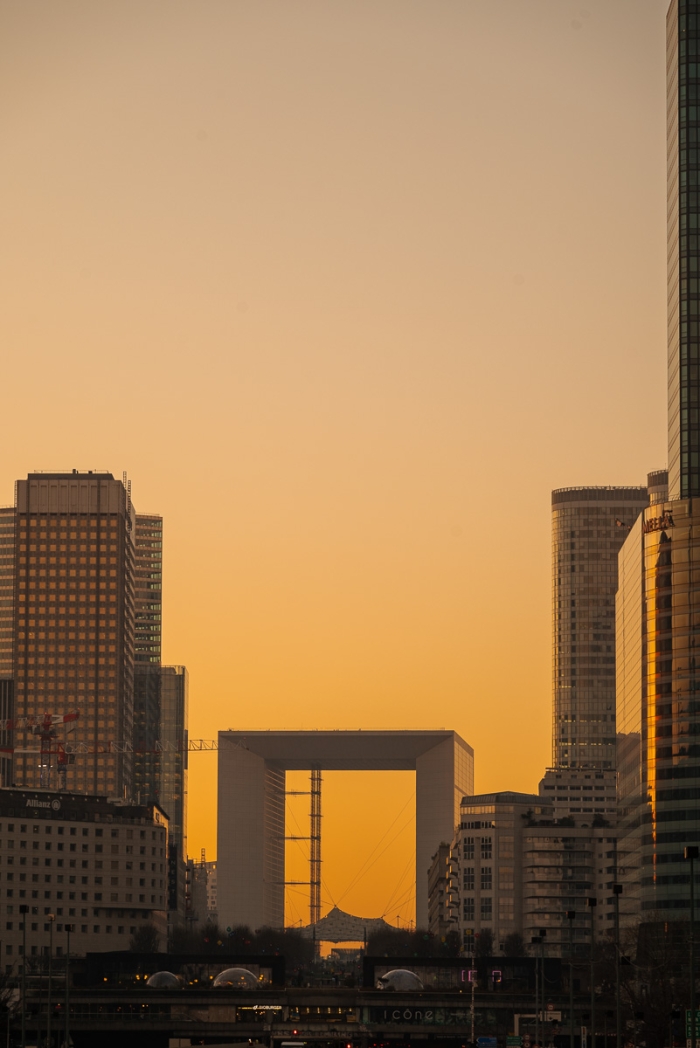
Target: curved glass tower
[(589, 526)]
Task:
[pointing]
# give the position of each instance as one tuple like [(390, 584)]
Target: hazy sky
[(347, 288)]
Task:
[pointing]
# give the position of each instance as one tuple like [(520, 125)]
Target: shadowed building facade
[(251, 813)]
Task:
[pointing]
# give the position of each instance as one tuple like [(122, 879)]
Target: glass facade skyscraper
[(658, 709), (589, 526), (658, 603)]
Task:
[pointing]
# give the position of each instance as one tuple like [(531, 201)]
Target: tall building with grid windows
[(74, 623), (160, 707), (148, 589), (589, 526), (80, 629), (7, 604)]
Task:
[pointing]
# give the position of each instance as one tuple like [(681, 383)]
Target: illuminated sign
[(658, 523)]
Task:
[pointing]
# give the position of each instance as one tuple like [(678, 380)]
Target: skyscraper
[(74, 623), (148, 589), (7, 604), (658, 605), (160, 708), (589, 526)]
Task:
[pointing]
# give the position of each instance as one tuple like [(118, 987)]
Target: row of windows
[(24, 827), (129, 864), (96, 878), (486, 878), (469, 843), (469, 909), (114, 896)]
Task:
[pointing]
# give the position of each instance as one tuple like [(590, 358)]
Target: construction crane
[(46, 728), (66, 752)]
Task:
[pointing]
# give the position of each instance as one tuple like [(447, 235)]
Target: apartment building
[(486, 871)]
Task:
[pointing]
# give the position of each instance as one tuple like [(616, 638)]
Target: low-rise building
[(95, 864)]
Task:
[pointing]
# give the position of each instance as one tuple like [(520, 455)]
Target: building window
[(468, 847), (506, 908), (486, 879), (486, 848), (486, 908), (468, 909), (468, 879)]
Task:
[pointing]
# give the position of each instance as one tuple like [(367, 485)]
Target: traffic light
[(496, 975)]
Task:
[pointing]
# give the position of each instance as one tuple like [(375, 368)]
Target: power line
[(361, 872)]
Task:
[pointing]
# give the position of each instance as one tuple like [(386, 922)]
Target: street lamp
[(592, 903), (52, 918), (571, 917), (690, 853), (24, 910), (617, 892), (69, 928)]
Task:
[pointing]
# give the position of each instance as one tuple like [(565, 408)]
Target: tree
[(145, 940), (514, 945), (401, 942)]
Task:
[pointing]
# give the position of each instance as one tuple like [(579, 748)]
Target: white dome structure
[(399, 979), (236, 979), (164, 981)]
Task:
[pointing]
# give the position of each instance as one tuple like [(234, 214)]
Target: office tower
[(147, 656), (160, 760), (658, 605), (7, 603), (148, 589), (658, 681), (160, 701), (172, 795), (160, 708), (589, 526), (74, 625), (683, 209)]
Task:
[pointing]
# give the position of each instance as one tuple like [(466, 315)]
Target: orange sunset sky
[(347, 288)]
